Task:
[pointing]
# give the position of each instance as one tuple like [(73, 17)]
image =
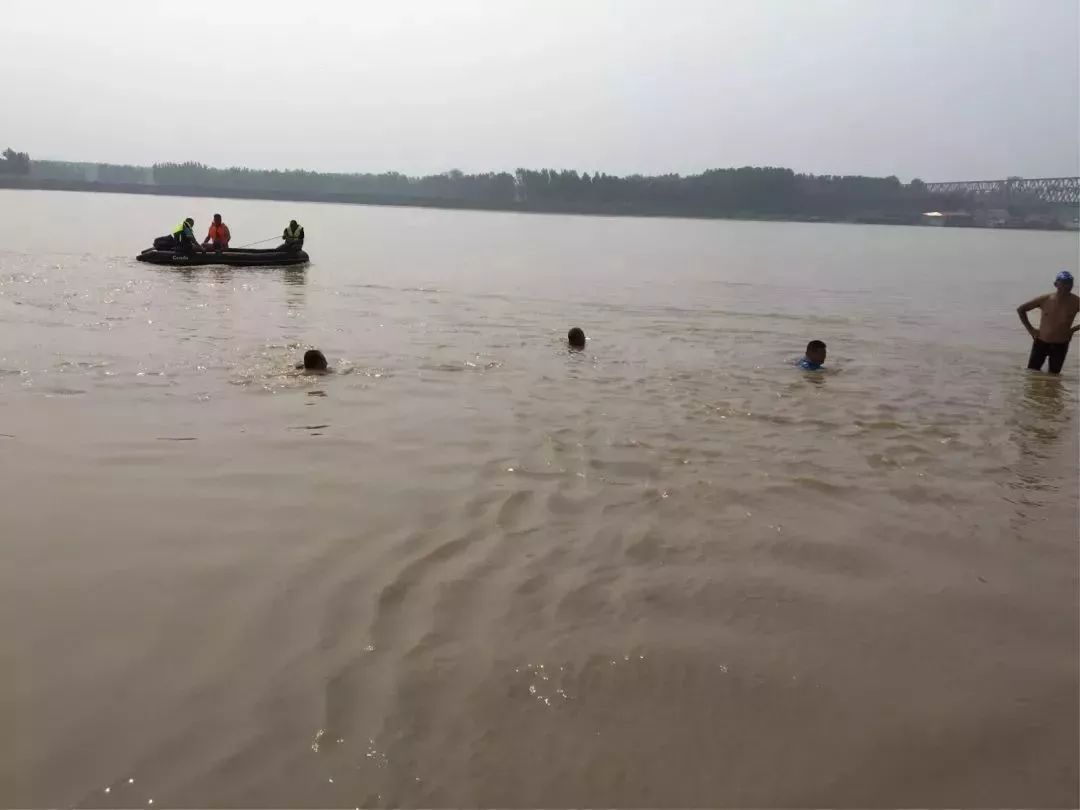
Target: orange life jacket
[(219, 233)]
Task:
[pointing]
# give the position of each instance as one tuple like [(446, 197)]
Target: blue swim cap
[(1065, 276)]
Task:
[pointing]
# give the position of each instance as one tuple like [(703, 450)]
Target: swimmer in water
[(576, 338), (314, 362), (814, 359), (1055, 330)]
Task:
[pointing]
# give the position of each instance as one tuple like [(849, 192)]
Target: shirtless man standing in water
[(1055, 324)]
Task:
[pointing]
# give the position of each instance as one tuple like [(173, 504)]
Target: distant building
[(947, 219), (992, 217)]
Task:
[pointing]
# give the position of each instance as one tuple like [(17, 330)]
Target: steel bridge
[(1043, 189)]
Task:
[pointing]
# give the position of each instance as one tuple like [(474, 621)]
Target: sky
[(940, 90)]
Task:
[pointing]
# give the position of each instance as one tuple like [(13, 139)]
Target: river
[(471, 568)]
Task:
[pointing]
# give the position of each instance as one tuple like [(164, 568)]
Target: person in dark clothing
[(184, 238), (293, 236)]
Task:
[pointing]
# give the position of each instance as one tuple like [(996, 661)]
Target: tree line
[(746, 191), (12, 162), (492, 187)]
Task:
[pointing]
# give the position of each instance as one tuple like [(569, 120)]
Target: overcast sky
[(937, 89)]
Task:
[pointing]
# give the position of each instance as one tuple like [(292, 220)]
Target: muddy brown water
[(473, 568)]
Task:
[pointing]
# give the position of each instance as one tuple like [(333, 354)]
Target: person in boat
[(184, 237), (314, 362), (175, 238), (293, 236), (218, 236)]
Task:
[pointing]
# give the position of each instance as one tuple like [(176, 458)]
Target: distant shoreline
[(22, 183)]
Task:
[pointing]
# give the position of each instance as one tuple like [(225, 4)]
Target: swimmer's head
[(1064, 280), (314, 360), (815, 352), (576, 338)]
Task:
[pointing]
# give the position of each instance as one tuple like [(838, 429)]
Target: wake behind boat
[(246, 257)]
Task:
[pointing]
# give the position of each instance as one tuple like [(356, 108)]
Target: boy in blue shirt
[(814, 360)]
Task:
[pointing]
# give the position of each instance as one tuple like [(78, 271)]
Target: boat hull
[(231, 258)]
